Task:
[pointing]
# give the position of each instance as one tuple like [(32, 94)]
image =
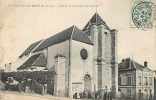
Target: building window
[(133, 80), (140, 83), (146, 81), (150, 80), (129, 80), (119, 80), (129, 92)]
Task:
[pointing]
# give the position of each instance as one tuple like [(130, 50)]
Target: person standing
[(119, 95), (45, 88), (150, 95), (105, 96)]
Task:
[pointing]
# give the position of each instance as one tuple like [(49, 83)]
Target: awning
[(35, 60)]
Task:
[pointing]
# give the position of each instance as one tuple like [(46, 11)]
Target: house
[(135, 79)]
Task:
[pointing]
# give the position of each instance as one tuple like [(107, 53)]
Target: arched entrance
[(87, 83)]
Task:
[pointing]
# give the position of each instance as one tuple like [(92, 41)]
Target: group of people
[(138, 96), (25, 85), (84, 94), (98, 95), (103, 95), (147, 96)]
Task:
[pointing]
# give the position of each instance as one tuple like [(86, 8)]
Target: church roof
[(70, 33), (34, 60), (129, 64), (97, 20), (30, 48)]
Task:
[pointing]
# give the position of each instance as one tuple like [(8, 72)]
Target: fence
[(38, 81)]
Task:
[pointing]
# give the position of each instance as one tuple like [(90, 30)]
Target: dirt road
[(24, 96)]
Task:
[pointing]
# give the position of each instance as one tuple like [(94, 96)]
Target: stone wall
[(105, 57), (60, 49)]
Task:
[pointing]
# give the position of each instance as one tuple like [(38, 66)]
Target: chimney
[(145, 63)]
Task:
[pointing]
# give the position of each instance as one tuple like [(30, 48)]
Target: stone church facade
[(84, 60)]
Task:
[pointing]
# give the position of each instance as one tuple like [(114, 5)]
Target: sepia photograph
[(77, 49)]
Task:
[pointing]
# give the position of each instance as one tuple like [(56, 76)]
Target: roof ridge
[(71, 36), (67, 34), (96, 19), (38, 45), (134, 64), (30, 48)]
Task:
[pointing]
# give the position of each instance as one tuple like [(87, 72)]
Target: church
[(83, 59)]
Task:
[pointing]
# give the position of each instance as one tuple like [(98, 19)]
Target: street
[(7, 95), (23, 96)]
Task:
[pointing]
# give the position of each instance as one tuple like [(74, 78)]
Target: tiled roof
[(128, 63), (40, 61), (97, 20), (70, 33), (30, 48), (124, 64), (34, 60), (79, 35), (29, 62)]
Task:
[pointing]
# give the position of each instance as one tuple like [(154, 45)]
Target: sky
[(23, 22)]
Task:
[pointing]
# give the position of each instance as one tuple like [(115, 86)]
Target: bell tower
[(104, 53)]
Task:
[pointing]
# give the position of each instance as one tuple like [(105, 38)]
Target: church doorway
[(87, 85)]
